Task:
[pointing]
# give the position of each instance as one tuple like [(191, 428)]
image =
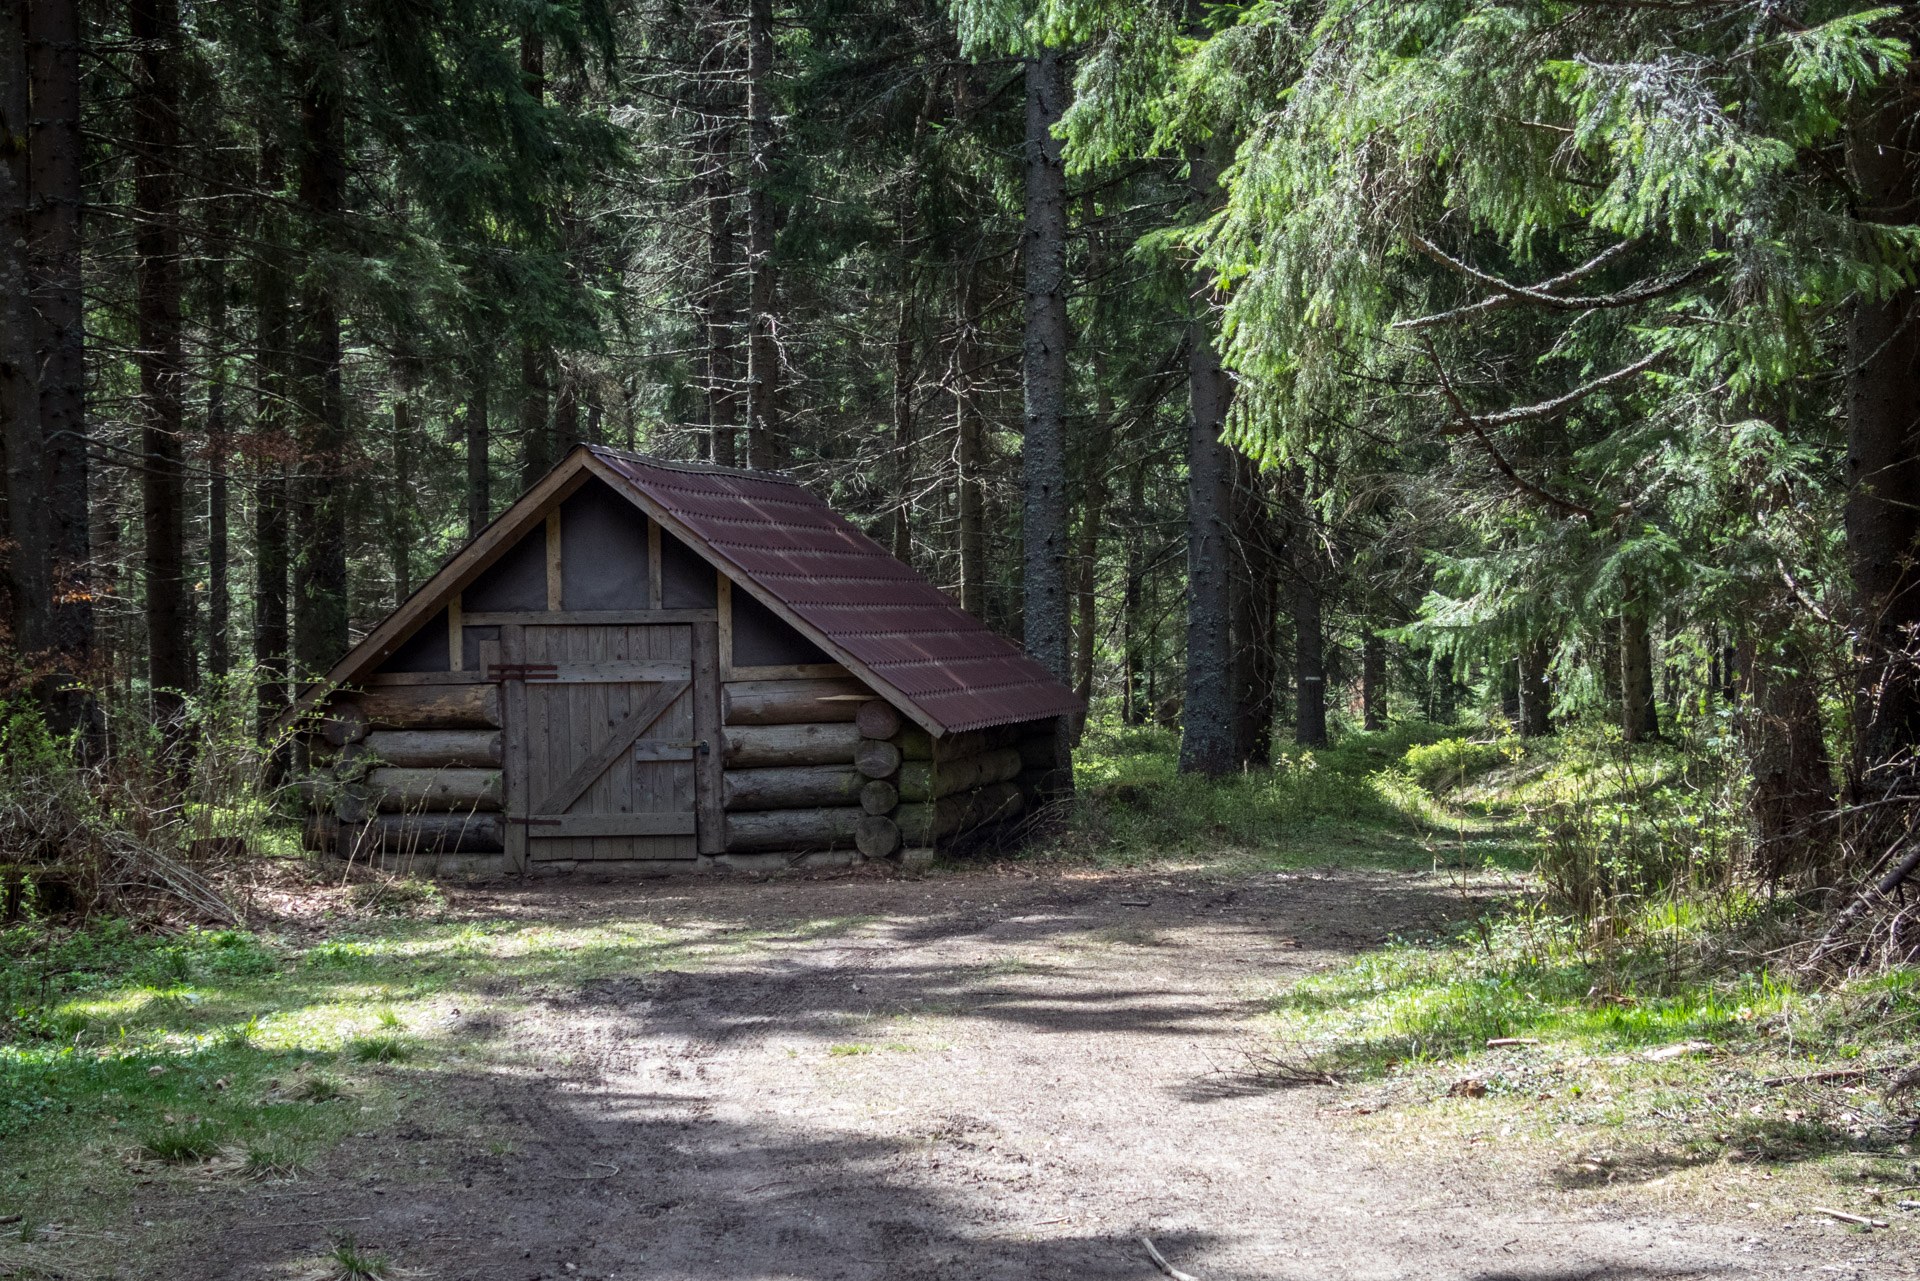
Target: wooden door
[(608, 749)]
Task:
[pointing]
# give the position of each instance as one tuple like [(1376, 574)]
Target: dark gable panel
[(686, 581), (517, 581), (470, 641), (603, 551), (762, 639), (424, 651)]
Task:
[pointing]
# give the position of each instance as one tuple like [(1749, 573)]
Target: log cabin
[(647, 666)]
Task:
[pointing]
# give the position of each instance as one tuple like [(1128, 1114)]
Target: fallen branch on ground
[(1163, 1265)]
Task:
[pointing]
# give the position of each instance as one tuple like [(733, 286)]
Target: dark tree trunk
[(1134, 708), (29, 606), (1883, 467), (320, 524), (903, 423), (1087, 569), (972, 454), (536, 443), (1253, 602), (1793, 791), (219, 556), (766, 434), (566, 414), (1309, 653), (1536, 690), (479, 501), (270, 448), (1043, 455), (1639, 714), (400, 504), (1206, 738), (1373, 682), (54, 157), (154, 28), (723, 258)]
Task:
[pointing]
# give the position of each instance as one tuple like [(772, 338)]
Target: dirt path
[(1025, 1083)]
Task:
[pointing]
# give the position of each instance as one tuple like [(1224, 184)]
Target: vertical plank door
[(609, 751)]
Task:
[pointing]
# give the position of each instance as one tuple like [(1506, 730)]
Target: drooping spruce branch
[(1509, 294)]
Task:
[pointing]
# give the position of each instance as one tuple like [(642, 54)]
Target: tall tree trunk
[(54, 153), (766, 433), (270, 446), (1133, 709), (399, 504), (903, 421), (219, 552), (1206, 735), (723, 259), (1309, 628), (536, 355), (1536, 689), (27, 557), (1639, 714), (1043, 455), (566, 414), (1883, 468), (536, 444), (1252, 602), (474, 425), (320, 525), (154, 28), (1093, 515), (1373, 681), (1787, 753), (971, 453)]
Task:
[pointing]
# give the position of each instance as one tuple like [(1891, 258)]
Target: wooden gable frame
[(535, 508)]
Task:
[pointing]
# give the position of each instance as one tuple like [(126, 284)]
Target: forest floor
[(993, 1071)]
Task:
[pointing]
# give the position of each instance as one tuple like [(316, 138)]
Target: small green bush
[(1452, 761)]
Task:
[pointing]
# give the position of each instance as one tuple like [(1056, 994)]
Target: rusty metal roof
[(793, 550)]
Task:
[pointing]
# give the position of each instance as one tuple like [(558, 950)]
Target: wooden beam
[(564, 825), (553, 560), (587, 617), (653, 563), (380, 680), (511, 648), (791, 672), (456, 635), (709, 767), (724, 587)]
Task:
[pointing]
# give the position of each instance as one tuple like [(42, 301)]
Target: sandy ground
[(1050, 1079)]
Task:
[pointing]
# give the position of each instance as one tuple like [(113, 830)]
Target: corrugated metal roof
[(801, 553)]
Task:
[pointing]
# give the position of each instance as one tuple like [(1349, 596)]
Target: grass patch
[(182, 1144), (351, 1262), (380, 1049), (272, 1157), (850, 1048), (1352, 804)]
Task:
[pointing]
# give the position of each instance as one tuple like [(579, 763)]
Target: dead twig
[(1160, 1262), (1844, 1217)]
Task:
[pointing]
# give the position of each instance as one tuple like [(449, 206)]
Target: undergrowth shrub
[(121, 818), (1452, 761)]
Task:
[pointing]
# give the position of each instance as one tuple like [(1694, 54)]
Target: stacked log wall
[(792, 780), (408, 769)]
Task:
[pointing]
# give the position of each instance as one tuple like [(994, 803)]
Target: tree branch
[(1547, 408), (1509, 294), (1478, 427)]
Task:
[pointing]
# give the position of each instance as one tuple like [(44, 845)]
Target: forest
[(1474, 441)]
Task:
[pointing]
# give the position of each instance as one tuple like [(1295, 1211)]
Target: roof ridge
[(701, 469)]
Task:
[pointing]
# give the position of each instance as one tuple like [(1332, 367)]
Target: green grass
[(1352, 804), (351, 1262), (177, 1048)]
